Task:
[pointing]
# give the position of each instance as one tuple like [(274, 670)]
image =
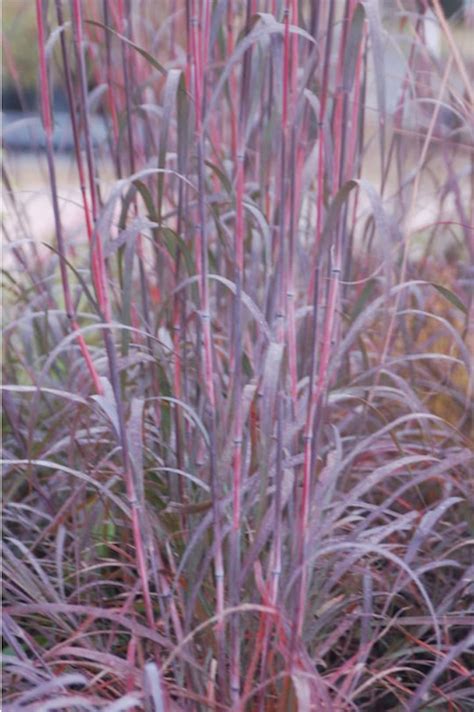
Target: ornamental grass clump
[(237, 388)]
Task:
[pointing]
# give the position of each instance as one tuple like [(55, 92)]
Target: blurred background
[(23, 141)]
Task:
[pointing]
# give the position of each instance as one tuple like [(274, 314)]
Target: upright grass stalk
[(339, 102), (282, 253), (317, 385), (96, 245), (238, 421), (353, 164), (203, 272), (232, 78), (293, 197), (239, 162), (267, 623), (322, 139), (314, 386), (108, 339), (95, 264), (128, 61), (48, 129)]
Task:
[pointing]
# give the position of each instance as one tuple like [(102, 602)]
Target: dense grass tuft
[(237, 387)]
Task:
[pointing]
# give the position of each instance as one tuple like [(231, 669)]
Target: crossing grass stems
[(238, 416)]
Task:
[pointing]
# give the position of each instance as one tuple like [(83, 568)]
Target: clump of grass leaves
[(237, 411)]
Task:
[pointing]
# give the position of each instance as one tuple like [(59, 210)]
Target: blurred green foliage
[(19, 40)]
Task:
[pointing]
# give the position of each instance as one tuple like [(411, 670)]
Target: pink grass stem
[(202, 267), (136, 513), (48, 128)]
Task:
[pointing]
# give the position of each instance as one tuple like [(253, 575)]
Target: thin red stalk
[(338, 113), (286, 67), (48, 128), (207, 335), (196, 56), (95, 267), (206, 35), (317, 389), (205, 315), (346, 133), (282, 258), (189, 44), (276, 556), (291, 295), (276, 549), (235, 552), (238, 424), (194, 73), (284, 285), (129, 66), (199, 11), (79, 40), (232, 78), (291, 298), (179, 312), (109, 342), (96, 246), (321, 140), (313, 387)]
